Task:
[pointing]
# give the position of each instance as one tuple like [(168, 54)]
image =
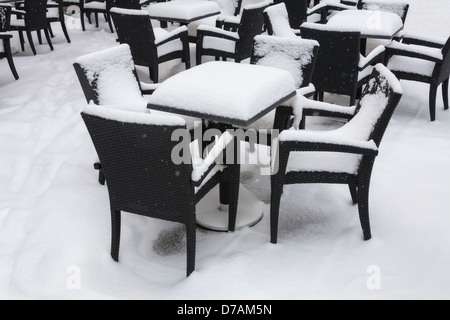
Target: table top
[(183, 11), (226, 92), (371, 24)]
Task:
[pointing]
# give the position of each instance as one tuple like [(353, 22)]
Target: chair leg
[(233, 195), (190, 246), (363, 208), (8, 54), (22, 41), (277, 183), (49, 40), (39, 36), (49, 26), (445, 93), (115, 234), (353, 193), (432, 102), (108, 18), (30, 40), (64, 29), (96, 19), (154, 74), (82, 20)]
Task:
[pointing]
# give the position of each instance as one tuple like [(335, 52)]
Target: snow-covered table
[(371, 24), (232, 94), (182, 11)]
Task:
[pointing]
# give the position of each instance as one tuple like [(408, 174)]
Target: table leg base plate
[(211, 216)]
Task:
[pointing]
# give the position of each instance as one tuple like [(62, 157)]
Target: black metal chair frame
[(59, 5), (97, 11)]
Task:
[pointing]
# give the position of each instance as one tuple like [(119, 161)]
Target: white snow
[(279, 20), (184, 10), (55, 219)]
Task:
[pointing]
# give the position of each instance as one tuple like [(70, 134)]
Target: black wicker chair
[(422, 60), (342, 156), (99, 7), (276, 20), (55, 13), (92, 71), (34, 15), (224, 43), (150, 46), (340, 68), (228, 9), (5, 36), (297, 11), (136, 154), (127, 4), (295, 55)]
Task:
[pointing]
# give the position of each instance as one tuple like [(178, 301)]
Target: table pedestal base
[(214, 216)]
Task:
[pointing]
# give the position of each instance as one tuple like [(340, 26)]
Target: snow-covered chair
[(150, 46), (228, 9), (343, 156), (34, 15), (135, 150), (77, 4), (99, 7), (296, 10), (295, 55), (424, 60), (340, 68), (399, 8), (5, 37), (276, 19), (55, 13), (224, 43)]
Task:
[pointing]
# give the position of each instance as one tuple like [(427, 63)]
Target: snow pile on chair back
[(279, 20), (227, 7), (111, 72), (289, 54)]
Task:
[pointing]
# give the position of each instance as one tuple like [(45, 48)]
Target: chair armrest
[(423, 41), (374, 57), (325, 7), (6, 35), (205, 30), (307, 91), (301, 140), (201, 170), (173, 35), (148, 88), (18, 12), (414, 51)]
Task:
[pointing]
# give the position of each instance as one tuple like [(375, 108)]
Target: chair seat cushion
[(18, 23), (96, 5), (411, 65), (175, 45), (323, 162), (52, 13)]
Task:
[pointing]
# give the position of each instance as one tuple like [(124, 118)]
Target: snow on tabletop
[(112, 70), (376, 23), (289, 54), (279, 20), (225, 89), (121, 114), (129, 11), (183, 10)]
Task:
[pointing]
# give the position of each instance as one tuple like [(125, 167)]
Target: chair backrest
[(399, 8), (251, 25), (378, 101), (442, 71), (109, 77), (5, 17), (336, 69), (296, 11), (36, 17), (229, 7), (134, 28), (277, 21), (295, 55), (126, 4), (135, 152)]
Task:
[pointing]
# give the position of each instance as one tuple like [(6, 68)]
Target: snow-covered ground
[(55, 222)]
